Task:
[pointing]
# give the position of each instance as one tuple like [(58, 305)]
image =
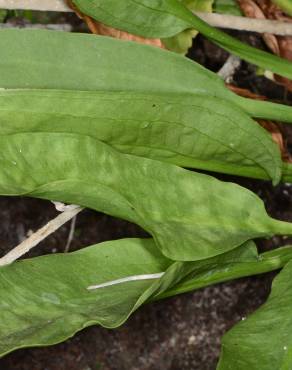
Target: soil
[(180, 333)]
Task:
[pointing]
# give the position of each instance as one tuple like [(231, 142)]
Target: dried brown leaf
[(245, 92), (285, 45), (277, 137), (104, 30), (252, 10), (284, 48), (270, 126), (101, 29)]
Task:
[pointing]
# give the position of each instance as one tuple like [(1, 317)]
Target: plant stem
[(275, 64), (265, 109), (267, 262)]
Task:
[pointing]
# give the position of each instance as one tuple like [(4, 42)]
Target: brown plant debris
[(270, 126), (99, 28), (280, 45)]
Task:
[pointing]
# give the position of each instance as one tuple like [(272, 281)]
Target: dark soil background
[(181, 333)]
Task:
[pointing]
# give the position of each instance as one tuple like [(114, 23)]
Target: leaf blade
[(95, 67), (186, 130), (45, 300), (150, 18), (181, 209), (264, 337)]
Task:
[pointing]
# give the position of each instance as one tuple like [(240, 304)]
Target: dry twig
[(217, 20), (40, 235)]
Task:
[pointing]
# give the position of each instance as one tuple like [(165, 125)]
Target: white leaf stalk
[(127, 280)]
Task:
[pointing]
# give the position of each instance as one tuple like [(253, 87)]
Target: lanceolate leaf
[(53, 299), (45, 300), (89, 62), (191, 216), (152, 18), (264, 340), (186, 130)]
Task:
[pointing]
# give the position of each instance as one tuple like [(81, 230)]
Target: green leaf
[(96, 67), (227, 7), (242, 262), (191, 216), (89, 62), (285, 5), (264, 340), (45, 300), (152, 18), (187, 276), (186, 130), (182, 42)]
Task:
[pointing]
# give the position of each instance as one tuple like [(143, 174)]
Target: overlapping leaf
[(186, 130), (191, 216), (152, 18), (183, 41), (88, 62), (45, 300)]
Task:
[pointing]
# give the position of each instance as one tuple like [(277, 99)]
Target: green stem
[(267, 262), (230, 169), (265, 110), (263, 59)]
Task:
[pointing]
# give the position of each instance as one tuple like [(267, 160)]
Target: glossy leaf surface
[(191, 216), (45, 300), (186, 130)]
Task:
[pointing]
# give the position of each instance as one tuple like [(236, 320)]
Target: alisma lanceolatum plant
[(109, 125)]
